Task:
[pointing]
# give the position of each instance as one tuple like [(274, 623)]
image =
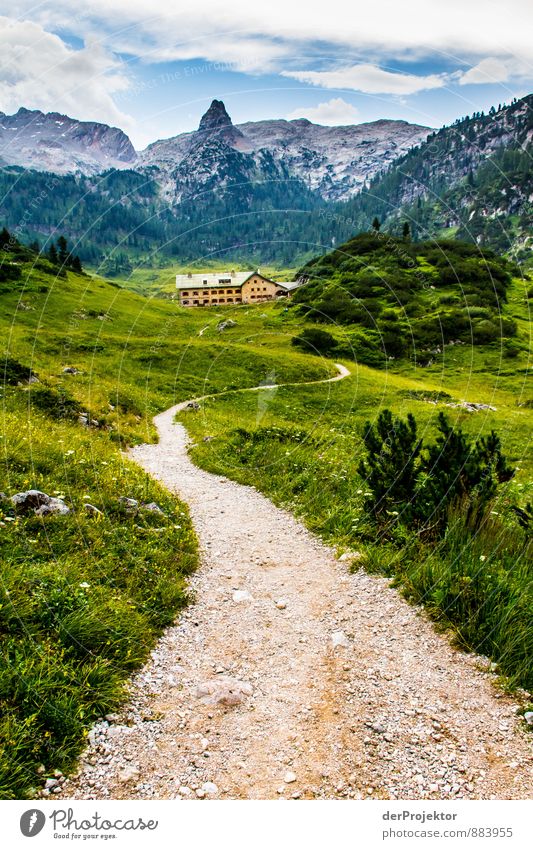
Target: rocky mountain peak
[(215, 118), (216, 123)]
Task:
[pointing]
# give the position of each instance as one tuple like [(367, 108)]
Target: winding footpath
[(331, 685)]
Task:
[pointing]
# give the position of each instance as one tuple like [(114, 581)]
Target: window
[(264, 288), (205, 302), (195, 303), (214, 301), (185, 302), (195, 293), (223, 281), (221, 301), (238, 300), (204, 282), (230, 300)]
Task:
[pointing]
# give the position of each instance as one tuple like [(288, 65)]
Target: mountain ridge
[(60, 144), (335, 161), (210, 193)]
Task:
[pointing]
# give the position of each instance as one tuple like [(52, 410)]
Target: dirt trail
[(353, 693)]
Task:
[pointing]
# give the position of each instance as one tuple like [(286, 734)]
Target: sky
[(153, 68)]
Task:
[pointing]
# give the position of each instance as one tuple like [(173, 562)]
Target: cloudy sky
[(153, 67)]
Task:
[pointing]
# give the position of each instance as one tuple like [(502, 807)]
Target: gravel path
[(290, 677)]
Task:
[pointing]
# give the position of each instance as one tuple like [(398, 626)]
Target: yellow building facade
[(234, 287)]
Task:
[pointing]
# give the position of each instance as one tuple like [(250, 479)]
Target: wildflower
[(84, 585), (482, 557)]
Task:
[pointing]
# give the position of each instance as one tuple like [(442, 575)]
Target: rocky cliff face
[(62, 145), (472, 179), (335, 161)]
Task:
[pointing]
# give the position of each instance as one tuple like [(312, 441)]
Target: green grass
[(68, 647), (83, 599), (301, 446)]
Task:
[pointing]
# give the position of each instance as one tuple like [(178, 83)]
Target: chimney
[(233, 272), (189, 274)]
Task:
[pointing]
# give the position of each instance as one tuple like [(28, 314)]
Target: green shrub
[(315, 340), (390, 466), (56, 403), (415, 485), (485, 331), (12, 372)]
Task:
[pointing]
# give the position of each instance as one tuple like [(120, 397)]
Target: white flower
[(84, 585), (482, 557)]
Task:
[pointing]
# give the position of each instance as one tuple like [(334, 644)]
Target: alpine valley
[(269, 191), (172, 468)]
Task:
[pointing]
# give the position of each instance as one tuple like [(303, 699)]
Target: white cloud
[(494, 70), (39, 71), (369, 79), (333, 113), (262, 34)]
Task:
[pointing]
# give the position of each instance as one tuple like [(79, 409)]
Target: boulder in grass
[(152, 507), (41, 503), (223, 325), (32, 499), (129, 504), (56, 506)]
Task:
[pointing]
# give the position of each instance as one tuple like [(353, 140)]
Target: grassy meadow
[(302, 445), (83, 597)]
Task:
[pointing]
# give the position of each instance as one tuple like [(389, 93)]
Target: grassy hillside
[(408, 299), (302, 447), (84, 595)]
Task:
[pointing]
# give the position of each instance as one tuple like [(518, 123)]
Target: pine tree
[(76, 264), (52, 254), (376, 224), (406, 231), (390, 467), (63, 254), (5, 238)]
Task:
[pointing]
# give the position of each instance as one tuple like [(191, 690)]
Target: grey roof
[(212, 280), (196, 281), (291, 284)]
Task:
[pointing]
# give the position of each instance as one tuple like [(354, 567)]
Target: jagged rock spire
[(216, 118)]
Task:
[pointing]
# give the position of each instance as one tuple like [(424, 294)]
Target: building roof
[(219, 279), (212, 279), (290, 284)]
